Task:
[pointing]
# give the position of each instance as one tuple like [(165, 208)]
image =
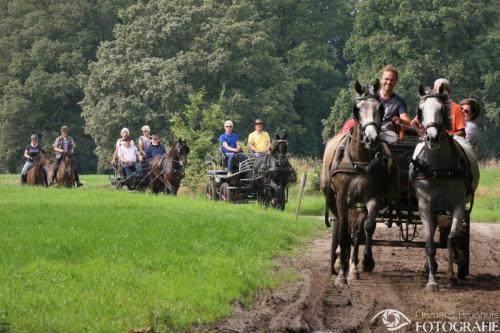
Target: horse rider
[(259, 141), (128, 155), (30, 153), (64, 144), (471, 110), (144, 140), (155, 148), (456, 115), (230, 146), (124, 133)]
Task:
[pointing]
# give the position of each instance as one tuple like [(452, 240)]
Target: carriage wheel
[(210, 191), (463, 267), (225, 193)]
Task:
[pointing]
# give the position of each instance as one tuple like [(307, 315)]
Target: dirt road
[(314, 304)]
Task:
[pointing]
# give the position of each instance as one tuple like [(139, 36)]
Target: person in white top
[(144, 140), (471, 110), (129, 157), (124, 133)]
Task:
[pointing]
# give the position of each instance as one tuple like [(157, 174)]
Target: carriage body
[(118, 178), (405, 214), (245, 185)]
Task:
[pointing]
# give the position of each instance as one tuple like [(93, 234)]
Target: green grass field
[(95, 260)]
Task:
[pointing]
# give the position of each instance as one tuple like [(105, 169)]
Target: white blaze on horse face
[(431, 113), (368, 112)]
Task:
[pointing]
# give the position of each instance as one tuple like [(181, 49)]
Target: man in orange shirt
[(456, 116)]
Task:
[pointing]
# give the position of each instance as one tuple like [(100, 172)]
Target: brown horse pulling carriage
[(366, 181)]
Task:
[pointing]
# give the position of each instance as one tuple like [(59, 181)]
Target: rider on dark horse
[(64, 144), (30, 153)]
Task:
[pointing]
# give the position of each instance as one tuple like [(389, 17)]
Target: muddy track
[(314, 304)]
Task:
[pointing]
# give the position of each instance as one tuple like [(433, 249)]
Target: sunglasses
[(228, 126)]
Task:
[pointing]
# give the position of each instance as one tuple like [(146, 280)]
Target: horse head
[(42, 158), (433, 113), (368, 112), (279, 149), (67, 158), (182, 151)]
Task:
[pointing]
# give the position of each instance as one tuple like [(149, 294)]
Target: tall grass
[(93, 260)]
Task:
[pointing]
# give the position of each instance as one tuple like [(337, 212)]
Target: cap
[(259, 122), (228, 123)]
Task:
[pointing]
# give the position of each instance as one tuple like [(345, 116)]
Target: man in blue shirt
[(155, 148), (230, 146)]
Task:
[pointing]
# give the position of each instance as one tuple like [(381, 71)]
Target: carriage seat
[(223, 158)]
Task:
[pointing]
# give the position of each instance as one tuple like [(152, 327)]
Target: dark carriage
[(264, 179), (119, 180), (404, 214)]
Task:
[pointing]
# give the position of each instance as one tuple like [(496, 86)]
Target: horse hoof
[(340, 282), (452, 283), (368, 264), (432, 287), (353, 276)]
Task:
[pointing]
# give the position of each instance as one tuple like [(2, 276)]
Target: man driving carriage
[(64, 144), (128, 155), (155, 148), (259, 141), (30, 153), (230, 146)]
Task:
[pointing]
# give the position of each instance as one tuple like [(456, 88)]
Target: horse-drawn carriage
[(265, 178), (162, 174), (436, 179)]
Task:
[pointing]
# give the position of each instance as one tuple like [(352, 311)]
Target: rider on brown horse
[(64, 144), (30, 153)]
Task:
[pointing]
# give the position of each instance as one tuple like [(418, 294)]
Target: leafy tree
[(200, 123), (425, 40), (44, 50), (166, 50)]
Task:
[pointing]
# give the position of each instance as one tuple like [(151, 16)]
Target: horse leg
[(369, 228), (344, 240), (334, 265), (455, 254), (429, 221), (356, 221)]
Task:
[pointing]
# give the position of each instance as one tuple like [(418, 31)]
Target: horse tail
[(328, 191)]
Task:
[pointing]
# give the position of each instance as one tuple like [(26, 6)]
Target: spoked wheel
[(225, 193), (210, 191)]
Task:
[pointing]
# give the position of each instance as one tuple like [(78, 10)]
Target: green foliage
[(200, 124), (141, 260), (44, 50), (426, 40)]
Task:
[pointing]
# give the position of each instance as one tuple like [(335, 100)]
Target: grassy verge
[(89, 260)]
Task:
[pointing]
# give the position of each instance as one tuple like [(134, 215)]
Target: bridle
[(438, 126), (281, 158), (363, 126)]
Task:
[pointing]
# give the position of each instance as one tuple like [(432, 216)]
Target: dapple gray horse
[(443, 174), (355, 171)]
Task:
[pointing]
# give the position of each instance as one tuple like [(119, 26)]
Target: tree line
[(100, 65)]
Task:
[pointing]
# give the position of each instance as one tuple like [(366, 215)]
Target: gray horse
[(442, 175), (356, 172)]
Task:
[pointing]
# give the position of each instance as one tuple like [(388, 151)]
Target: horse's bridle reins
[(363, 127), (439, 126)]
